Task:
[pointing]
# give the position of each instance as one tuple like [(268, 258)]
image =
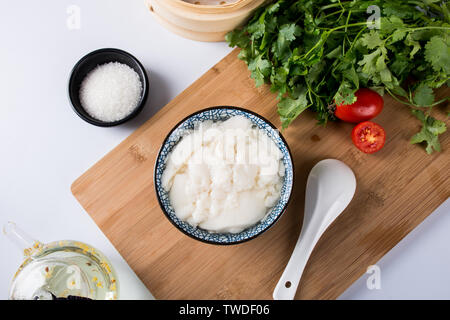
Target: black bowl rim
[(209, 241), (133, 114)]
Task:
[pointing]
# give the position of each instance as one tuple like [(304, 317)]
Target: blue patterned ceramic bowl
[(220, 114)]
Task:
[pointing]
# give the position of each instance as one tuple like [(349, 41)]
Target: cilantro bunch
[(317, 53)]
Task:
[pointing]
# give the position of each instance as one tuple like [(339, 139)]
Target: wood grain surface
[(397, 188)]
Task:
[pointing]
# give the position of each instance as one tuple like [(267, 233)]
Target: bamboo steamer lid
[(202, 22), (228, 6), (189, 34)]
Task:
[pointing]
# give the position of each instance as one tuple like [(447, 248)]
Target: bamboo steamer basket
[(202, 22)]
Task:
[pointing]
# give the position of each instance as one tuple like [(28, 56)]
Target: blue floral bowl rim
[(175, 127)]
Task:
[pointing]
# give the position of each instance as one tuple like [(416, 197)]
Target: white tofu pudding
[(224, 176)]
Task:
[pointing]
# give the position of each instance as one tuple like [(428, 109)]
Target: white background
[(45, 146)]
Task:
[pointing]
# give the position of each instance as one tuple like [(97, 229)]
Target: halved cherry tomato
[(368, 137), (367, 106)]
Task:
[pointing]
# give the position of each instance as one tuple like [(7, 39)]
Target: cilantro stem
[(357, 36), (340, 4), (426, 28), (345, 26), (446, 12), (310, 90), (326, 34), (439, 102), (397, 99), (348, 19), (411, 104), (321, 40), (332, 14), (425, 5)]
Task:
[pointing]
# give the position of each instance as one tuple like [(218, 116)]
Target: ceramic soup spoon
[(330, 188)]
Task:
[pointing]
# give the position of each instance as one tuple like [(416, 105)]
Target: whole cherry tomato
[(367, 106)]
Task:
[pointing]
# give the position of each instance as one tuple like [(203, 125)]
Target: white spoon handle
[(288, 283)]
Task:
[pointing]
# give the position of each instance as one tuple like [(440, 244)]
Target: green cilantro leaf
[(345, 94), (369, 62), (423, 95), (391, 24), (431, 129), (409, 41), (290, 31), (237, 38), (289, 108), (371, 40), (260, 69), (437, 52), (398, 35)]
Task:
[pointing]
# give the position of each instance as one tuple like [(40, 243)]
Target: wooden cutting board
[(397, 188)]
